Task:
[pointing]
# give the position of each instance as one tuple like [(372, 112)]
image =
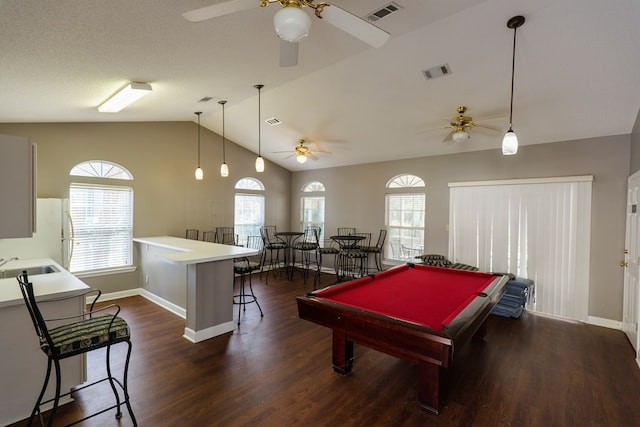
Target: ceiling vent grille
[(272, 121), (384, 11), (435, 72)]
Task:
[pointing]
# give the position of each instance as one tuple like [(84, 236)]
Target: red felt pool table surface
[(414, 312), (407, 293)]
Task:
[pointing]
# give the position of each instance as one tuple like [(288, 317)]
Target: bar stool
[(308, 249), (244, 267)]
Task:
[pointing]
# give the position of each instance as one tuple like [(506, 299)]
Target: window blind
[(538, 229), (103, 227)]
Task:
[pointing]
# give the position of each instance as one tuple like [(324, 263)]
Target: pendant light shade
[(224, 168), (199, 173), (259, 160), (510, 140)]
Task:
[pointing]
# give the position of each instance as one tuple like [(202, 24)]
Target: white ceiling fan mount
[(292, 24)]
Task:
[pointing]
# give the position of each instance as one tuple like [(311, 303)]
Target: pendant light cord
[(259, 119), (513, 71), (198, 114)]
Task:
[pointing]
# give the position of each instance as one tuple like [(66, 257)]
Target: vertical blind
[(103, 227), (538, 229)]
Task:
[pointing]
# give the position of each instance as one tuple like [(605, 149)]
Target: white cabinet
[(17, 186)]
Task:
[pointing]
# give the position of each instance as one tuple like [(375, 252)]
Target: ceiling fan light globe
[(301, 158), (460, 136), (292, 24), (510, 143)]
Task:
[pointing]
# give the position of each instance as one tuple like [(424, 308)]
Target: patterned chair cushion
[(328, 250), (460, 266), (86, 334)]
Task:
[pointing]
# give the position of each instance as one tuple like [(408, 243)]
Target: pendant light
[(259, 160), (510, 140), (224, 168), (199, 173)]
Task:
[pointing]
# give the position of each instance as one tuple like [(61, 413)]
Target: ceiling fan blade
[(219, 9), (288, 53), (449, 136), (480, 127), (354, 25), (313, 156)]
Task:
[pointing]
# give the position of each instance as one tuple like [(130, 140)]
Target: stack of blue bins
[(513, 303)]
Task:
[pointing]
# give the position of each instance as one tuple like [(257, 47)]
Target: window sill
[(105, 272)]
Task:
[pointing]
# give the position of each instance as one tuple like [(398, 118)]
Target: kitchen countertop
[(58, 284), (195, 251)]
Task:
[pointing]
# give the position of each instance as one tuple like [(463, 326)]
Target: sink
[(31, 271)]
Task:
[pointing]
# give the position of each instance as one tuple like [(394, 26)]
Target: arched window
[(312, 206), (101, 169), (405, 217), (248, 208), (102, 216)]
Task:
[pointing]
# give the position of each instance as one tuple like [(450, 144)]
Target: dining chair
[(272, 247), (376, 250), (225, 236), (346, 231), (308, 248), (329, 247), (209, 236), (192, 234), (243, 267), (65, 337)]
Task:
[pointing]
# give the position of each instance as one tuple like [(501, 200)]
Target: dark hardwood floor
[(276, 371)]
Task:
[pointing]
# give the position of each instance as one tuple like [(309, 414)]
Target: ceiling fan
[(302, 152), (461, 125), (292, 24)]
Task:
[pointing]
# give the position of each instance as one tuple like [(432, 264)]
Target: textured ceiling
[(577, 68)]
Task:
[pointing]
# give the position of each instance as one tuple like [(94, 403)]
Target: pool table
[(414, 312)]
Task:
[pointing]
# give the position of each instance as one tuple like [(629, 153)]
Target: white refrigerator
[(53, 237)]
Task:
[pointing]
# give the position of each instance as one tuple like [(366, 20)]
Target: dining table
[(289, 238)]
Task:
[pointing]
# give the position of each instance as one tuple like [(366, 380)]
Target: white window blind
[(538, 229), (248, 216), (103, 227), (405, 214)]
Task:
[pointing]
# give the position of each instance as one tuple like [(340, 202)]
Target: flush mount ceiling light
[(199, 172), (224, 168), (125, 97), (510, 140), (259, 159)]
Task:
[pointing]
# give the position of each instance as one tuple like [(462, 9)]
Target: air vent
[(384, 11), (439, 71), (272, 121), (205, 99)]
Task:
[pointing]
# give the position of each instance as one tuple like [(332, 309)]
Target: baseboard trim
[(211, 332), (607, 323)]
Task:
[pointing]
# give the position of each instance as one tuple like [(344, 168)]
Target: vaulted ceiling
[(576, 76)]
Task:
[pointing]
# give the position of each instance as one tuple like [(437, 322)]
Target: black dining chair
[(192, 234), (66, 337), (346, 231), (308, 248), (225, 236), (272, 248), (376, 250), (209, 236)]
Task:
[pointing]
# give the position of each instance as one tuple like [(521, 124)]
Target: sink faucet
[(5, 261)]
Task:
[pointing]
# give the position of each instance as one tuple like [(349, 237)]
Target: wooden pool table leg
[(342, 353), (429, 386)]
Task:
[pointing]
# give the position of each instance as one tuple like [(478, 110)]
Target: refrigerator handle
[(70, 239)]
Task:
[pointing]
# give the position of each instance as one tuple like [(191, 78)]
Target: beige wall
[(355, 197), (162, 156)]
